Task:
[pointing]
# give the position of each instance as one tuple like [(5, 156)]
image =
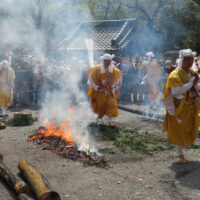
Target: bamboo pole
[(38, 184)]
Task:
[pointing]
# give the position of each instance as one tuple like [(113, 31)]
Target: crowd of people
[(36, 75), (142, 76), (179, 80)]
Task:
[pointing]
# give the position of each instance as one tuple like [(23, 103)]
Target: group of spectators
[(134, 70), (37, 75)]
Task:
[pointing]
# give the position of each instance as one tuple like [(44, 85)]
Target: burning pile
[(58, 139)]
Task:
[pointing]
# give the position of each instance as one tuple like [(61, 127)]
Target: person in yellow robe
[(104, 83), (152, 79), (7, 77), (181, 120)]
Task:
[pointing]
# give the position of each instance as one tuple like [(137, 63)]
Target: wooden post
[(12, 180), (38, 184)]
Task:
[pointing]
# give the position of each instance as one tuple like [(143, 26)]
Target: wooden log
[(13, 180), (24, 197), (37, 182)]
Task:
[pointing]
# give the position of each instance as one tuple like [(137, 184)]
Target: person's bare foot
[(182, 160), (111, 124)]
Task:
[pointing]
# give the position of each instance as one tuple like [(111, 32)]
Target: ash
[(65, 150)]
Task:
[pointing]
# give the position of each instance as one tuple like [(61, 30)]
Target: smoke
[(69, 102), (160, 25), (161, 31), (38, 26), (17, 25)]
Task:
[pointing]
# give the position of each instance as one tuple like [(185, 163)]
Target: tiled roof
[(106, 35)]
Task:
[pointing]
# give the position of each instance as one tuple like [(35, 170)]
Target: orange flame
[(63, 132)]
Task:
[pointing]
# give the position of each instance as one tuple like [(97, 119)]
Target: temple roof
[(106, 35)]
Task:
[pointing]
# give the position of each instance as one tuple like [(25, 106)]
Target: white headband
[(185, 53), (150, 54), (5, 64), (106, 57)]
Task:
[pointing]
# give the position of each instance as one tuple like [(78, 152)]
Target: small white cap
[(150, 54), (5, 64)]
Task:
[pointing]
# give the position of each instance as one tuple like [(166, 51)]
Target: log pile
[(38, 184)]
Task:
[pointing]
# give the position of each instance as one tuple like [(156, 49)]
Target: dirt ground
[(155, 177)]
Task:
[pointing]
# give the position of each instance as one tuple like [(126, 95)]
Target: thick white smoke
[(70, 102), (18, 25), (33, 25)]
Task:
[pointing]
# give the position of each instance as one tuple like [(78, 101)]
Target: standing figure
[(152, 79), (7, 77), (105, 82), (168, 68), (180, 92)]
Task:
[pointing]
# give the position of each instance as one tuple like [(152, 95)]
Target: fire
[(52, 130)]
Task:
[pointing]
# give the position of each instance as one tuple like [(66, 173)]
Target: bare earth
[(156, 177)]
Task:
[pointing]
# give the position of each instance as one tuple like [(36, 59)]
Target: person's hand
[(192, 79)]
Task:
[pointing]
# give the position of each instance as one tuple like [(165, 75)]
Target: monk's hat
[(5, 64), (185, 53), (106, 57), (150, 54)]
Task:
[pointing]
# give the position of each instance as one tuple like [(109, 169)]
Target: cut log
[(24, 197), (13, 180), (37, 182)]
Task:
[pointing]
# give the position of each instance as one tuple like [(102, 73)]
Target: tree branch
[(107, 9), (156, 11), (140, 9)]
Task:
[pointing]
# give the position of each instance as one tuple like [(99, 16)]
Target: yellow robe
[(6, 89), (184, 133), (104, 101), (153, 89)]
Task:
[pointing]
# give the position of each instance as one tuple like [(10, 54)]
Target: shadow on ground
[(187, 174)]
